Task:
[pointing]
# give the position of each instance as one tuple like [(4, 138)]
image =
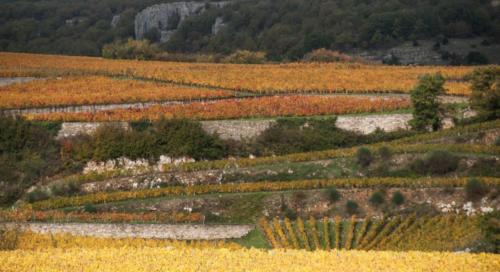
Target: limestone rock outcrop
[(167, 17)]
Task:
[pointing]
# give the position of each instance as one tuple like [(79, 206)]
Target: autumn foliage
[(260, 79), (241, 108), (94, 90)]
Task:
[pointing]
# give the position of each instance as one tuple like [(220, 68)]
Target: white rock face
[(167, 17), (115, 20), (135, 167), (218, 25)]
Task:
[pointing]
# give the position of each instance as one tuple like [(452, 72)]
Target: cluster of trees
[(176, 138), (290, 29), (78, 27), (282, 29), (28, 152), (485, 98)]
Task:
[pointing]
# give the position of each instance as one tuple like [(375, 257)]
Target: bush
[(66, 189), (364, 157), (474, 189), (485, 96), (377, 198), (397, 198), (476, 58), (333, 194), (294, 135), (132, 49), (385, 153), (89, 208), (426, 107), (37, 195), (298, 198), (351, 207), (28, 152), (436, 163), (176, 138), (490, 227), (290, 214), (246, 57), (325, 55)]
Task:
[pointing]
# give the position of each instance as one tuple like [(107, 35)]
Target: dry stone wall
[(4, 81), (247, 129), (152, 231)]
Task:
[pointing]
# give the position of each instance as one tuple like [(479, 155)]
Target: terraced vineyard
[(123, 165)]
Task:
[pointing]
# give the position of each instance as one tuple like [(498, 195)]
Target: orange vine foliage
[(240, 108), (267, 78), (96, 90)]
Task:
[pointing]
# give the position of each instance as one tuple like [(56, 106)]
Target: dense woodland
[(282, 29)]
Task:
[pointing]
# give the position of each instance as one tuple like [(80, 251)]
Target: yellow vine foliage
[(268, 231), (93, 90), (302, 233), (313, 227), (448, 232), (326, 233), (216, 259), (261, 79), (338, 231), (281, 233), (362, 231), (291, 234), (28, 240), (350, 233)]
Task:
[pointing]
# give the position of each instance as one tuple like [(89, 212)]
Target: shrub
[(474, 189), (436, 163), (28, 151), (246, 57), (89, 208), (303, 135), (175, 138), (351, 207), (485, 96), (333, 194), (37, 195), (66, 189), (290, 214), (426, 107), (385, 153), (476, 58), (490, 227), (364, 157), (325, 55), (132, 49), (397, 198), (377, 198), (298, 198)]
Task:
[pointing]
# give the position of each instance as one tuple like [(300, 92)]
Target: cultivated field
[(142, 159)]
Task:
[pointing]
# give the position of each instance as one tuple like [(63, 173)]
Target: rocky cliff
[(167, 17)]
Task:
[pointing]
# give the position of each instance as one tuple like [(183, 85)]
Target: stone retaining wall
[(247, 129), (4, 81), (157, 231)]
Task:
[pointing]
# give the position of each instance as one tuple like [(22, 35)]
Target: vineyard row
[(105, 197)]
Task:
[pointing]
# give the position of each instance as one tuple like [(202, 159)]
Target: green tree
[(485, 98), (426, 107)]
